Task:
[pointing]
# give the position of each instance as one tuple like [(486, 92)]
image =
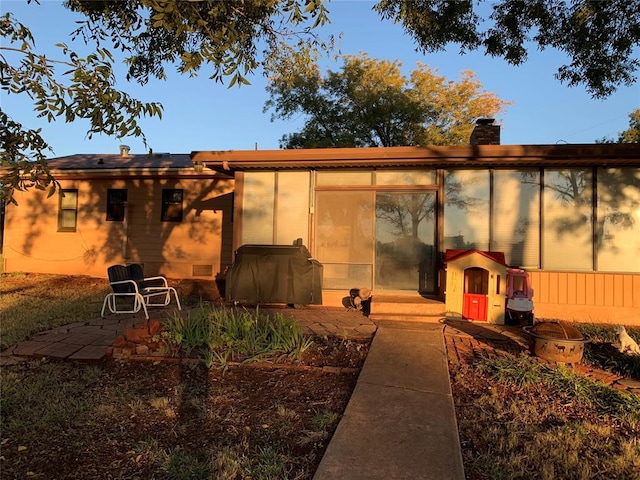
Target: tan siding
[(563, 295), (627, 288), (33, 244), (597, 289), (590, 290), (618, 291), (581, 290), (607, 289), (539, 285), (553, 287)]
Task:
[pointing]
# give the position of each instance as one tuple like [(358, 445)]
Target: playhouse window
[(476, 280)]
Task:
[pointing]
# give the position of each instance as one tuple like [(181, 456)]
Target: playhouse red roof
[(453, 254)]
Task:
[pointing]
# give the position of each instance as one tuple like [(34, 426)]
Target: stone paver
[(89, 353), (29, 348), (58, 350)]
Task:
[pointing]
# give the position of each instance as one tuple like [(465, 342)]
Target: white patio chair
[(132, 292)]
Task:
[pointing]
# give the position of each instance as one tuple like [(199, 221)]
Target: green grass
[(34, 303), (519, 419)]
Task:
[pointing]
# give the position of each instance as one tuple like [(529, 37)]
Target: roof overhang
[(484, 156)]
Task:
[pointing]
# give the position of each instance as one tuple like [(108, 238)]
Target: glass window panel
[(405, 241), (343, 177), (405, 177), (466, 209), (516, 217), (567, 229), (292, 214), (70, 199), (345, 276), (344, 236), (171, 205), (258, 208), (116, 199), (619, 219), (67, 211), (68, 219)]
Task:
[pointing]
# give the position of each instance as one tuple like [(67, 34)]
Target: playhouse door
[(475, 297)]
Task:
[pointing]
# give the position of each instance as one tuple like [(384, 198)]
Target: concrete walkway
[(400, 421)]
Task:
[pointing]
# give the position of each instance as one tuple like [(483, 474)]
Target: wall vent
[(202, 270)]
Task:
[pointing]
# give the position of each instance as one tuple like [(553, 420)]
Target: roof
[(452, 255), (118, 165), (101, 161), (486, 156)]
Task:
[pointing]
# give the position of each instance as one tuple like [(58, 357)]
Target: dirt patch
[(163, 420)]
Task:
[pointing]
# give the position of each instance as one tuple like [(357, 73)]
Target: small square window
[(68, 211), (116, 203), (171, 205)]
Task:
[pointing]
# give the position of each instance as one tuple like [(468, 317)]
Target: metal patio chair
[(131, 292), (152, 287)]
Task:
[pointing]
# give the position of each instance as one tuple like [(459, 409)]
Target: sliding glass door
[(405, 241), (379, 240)]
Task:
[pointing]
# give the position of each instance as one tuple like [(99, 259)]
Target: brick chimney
[(485, 132)]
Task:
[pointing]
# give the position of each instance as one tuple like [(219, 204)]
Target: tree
[(234, 38), (631, 134), (89, 93), (370, 103), (599, 37), (150, 34)]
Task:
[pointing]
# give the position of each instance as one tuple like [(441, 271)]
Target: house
[(154, 209), (380, 218)]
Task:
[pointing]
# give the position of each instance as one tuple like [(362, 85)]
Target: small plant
[(183, 466), (227, 464), (270, 463), (324, 420)]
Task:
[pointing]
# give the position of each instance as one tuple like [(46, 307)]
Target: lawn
[(164, 420), (517, 418)]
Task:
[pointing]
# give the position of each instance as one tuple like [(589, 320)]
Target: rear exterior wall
[(199, 246)]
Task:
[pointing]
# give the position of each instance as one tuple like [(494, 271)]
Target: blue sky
[(202, 115)]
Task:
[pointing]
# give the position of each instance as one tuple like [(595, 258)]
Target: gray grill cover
[(275, 274)]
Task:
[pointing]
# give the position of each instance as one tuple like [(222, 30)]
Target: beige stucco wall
[(200, 244)]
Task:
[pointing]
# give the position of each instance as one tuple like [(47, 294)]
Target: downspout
[(312, 211)]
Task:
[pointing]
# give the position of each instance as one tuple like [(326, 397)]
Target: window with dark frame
[(68, 211), (116, 203), (171, 205)]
